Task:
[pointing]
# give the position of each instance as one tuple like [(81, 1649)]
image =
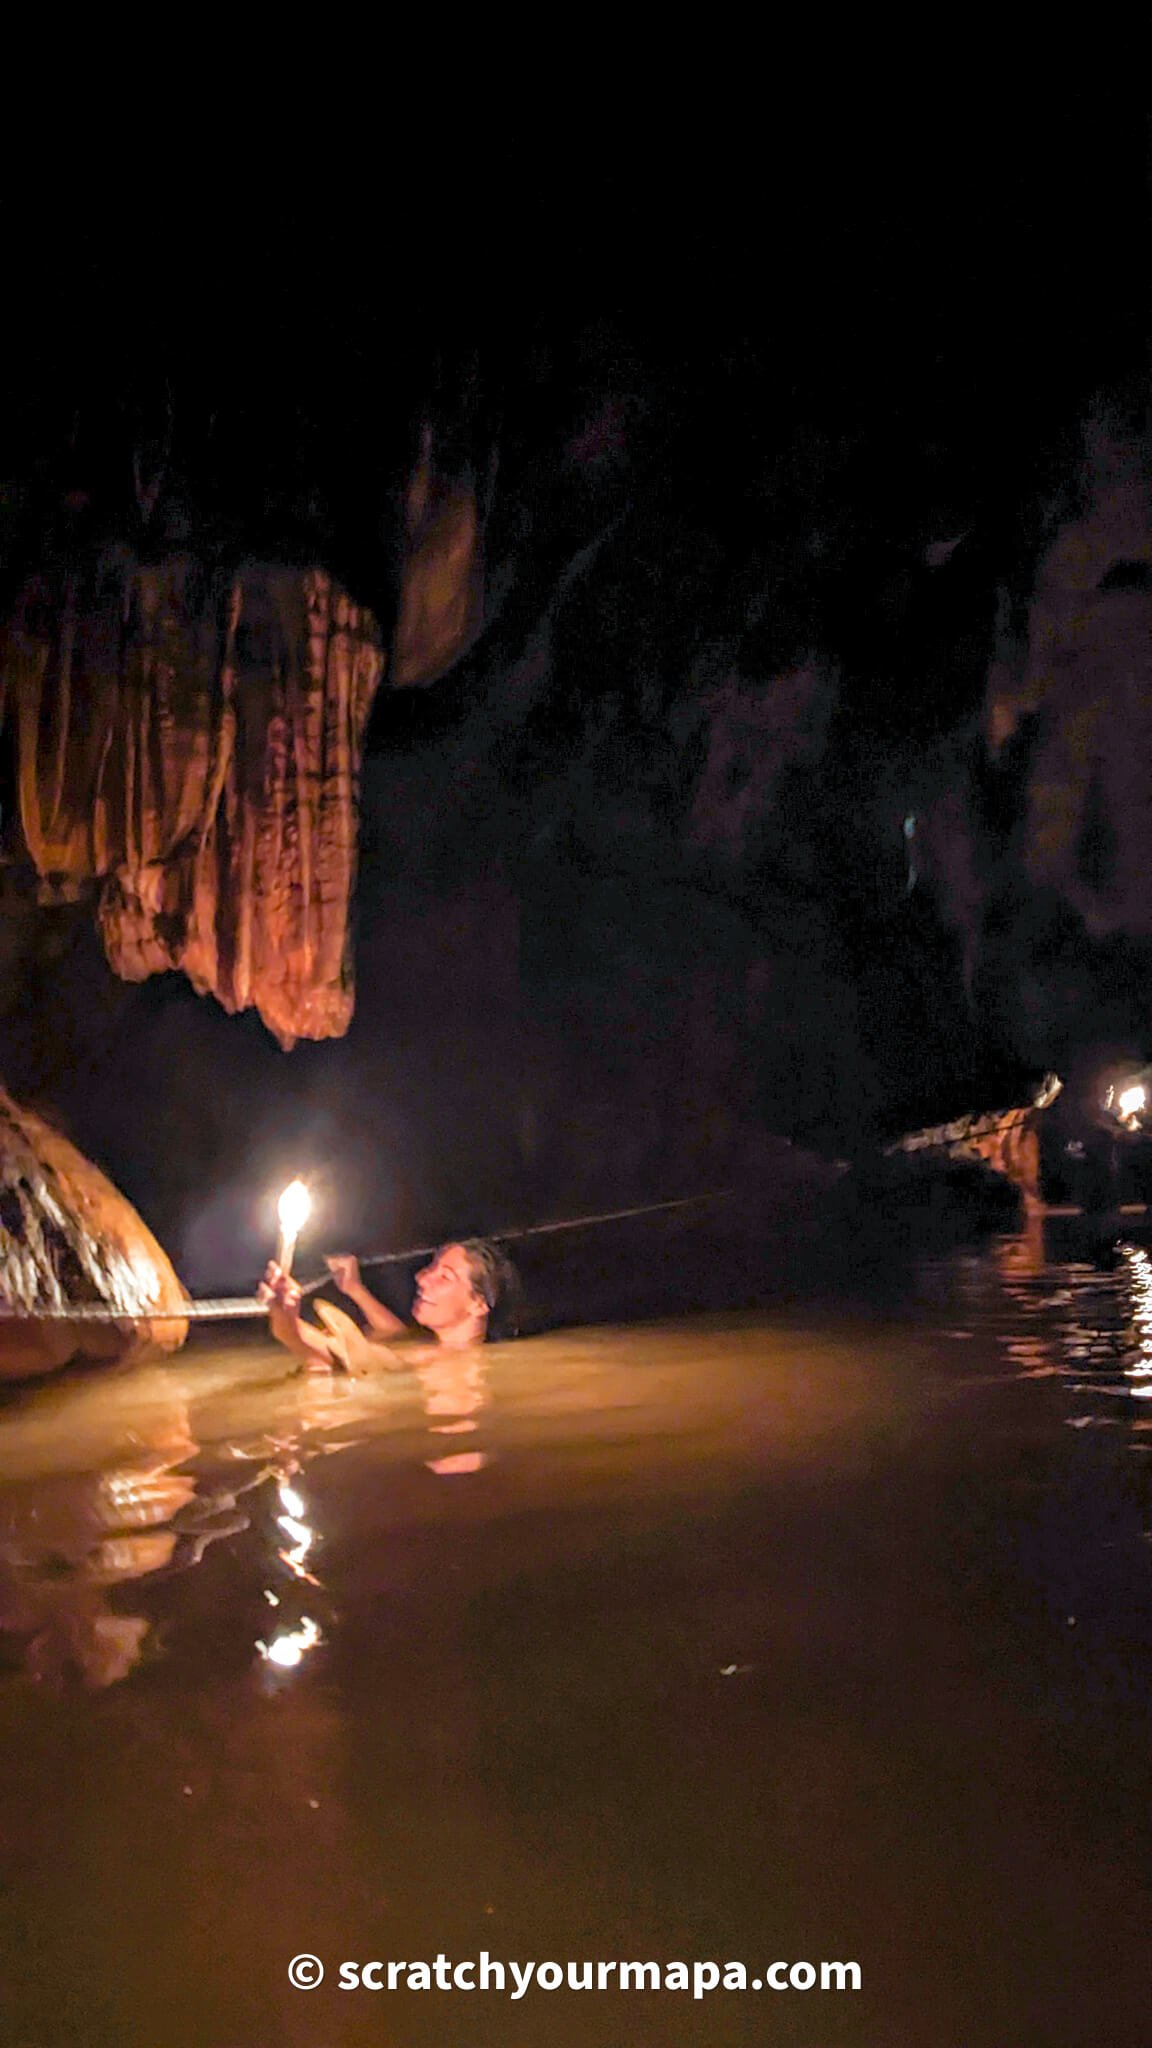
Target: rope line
[(222, 1308)]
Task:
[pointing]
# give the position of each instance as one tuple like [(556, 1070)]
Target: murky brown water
[(818, 1633)]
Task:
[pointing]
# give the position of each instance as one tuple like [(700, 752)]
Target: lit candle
[(292, 1209)]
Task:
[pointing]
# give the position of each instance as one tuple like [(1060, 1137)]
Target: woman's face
[(445, 1291)]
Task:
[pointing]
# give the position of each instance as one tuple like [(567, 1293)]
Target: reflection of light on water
[(1140, 1280), (132, 1557), (123, 1490), (295, 1527), (141, 1498), (454, 1389), (294, 1559), (289, 1648), (1033, 1356), (302, 1541)]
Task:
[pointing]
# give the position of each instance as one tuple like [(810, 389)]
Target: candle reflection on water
[(289, 1646), (288, 1649), (294, 1526)]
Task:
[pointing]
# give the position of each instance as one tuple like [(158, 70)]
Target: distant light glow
[(1132, 1100)]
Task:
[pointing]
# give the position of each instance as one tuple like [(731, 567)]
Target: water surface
[(815, 1631)]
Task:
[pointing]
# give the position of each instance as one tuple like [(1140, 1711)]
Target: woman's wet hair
[(497, 1283)]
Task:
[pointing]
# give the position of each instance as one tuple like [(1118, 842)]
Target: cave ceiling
[(662, 495)]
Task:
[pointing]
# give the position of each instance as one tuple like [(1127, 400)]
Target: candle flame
[(293, 1208)]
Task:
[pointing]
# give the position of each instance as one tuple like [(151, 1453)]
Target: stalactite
[(191, 745), (189, 748)]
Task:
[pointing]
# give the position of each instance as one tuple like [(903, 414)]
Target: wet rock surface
[(68, 1237)]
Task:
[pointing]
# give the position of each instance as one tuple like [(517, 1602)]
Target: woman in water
[(458, 1296)]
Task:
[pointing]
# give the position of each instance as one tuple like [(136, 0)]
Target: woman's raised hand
[(345, 1270)]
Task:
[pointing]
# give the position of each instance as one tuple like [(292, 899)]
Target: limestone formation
[(189, 744), (67, 1238), (1039, 861), (189, 747), (1084, 684), (442, 588)]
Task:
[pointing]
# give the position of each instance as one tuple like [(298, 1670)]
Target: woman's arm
[(345, 1271), (304, 1340)]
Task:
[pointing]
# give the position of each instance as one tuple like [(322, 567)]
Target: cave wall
[(752, 799), (1076, 696), (1039, 853)]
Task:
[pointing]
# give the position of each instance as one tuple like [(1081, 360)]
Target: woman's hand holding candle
[(279, 1289), (283, 1297)]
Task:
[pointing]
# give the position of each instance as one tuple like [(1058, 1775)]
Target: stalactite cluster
[(189, 744)]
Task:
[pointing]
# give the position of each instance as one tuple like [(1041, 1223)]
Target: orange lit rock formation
[(189, 744), (191, 747), (68, 1237)]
